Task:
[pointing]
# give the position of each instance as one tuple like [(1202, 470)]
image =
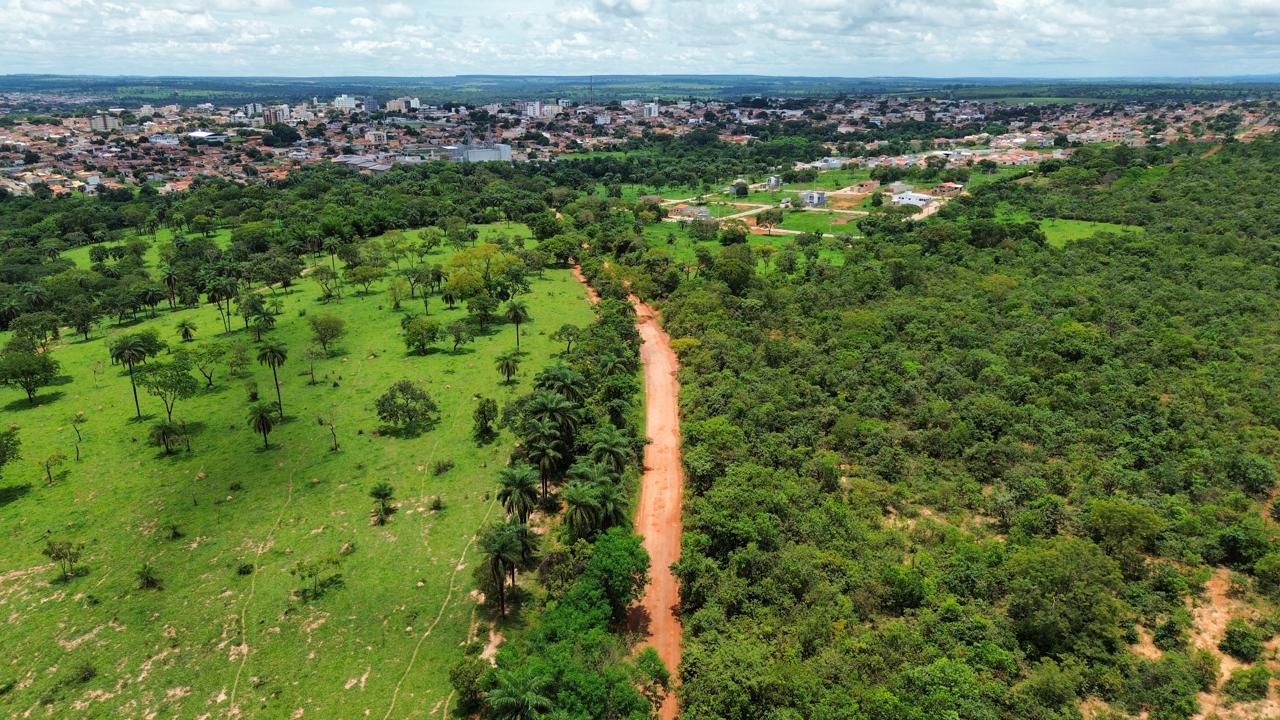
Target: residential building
[(103, 122)]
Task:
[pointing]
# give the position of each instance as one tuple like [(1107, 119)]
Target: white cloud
[(396, 11), (811, 37)]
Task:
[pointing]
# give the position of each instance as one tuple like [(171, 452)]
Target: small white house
[(813, 198), (912, 198)]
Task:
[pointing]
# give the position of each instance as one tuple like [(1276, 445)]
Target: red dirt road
[(658, 518)]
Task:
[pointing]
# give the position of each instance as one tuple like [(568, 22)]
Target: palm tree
[(519, 695), (562, 380), (544, 405), (273, 354), (164, 433), (612, 505), (131, 350), (262, 419), (517, 312), (611, 448), (518, 490), (382, 494), (612, 365), (187, 330), (582, 508), (508, 363), (543, 443), (501, 550)]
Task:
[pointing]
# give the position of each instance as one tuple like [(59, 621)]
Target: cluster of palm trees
[(592, 472)]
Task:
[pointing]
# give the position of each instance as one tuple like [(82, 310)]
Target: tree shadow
[(62, 380), (13, 493), (23, 403), (460, 351)]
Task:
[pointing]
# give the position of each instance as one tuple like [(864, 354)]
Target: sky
[(849, 38)]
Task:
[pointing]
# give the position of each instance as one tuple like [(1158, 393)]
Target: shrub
[(1248, 684), (441, 467), (1242, 641)]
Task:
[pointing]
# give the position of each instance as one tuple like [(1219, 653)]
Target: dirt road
[(658, 518)]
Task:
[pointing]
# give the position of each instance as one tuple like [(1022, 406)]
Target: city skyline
[(825, 38)]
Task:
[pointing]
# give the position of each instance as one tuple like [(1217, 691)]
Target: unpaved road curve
[(658, 518)]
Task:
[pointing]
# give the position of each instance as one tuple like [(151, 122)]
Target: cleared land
[(214, 642)]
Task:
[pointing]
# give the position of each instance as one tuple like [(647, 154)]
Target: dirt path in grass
[(658, 518)]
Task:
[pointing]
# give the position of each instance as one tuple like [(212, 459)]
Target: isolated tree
[(262, 324), (517, 312), (10, 447), (75, 421), (170, 382), (364, 276), (486, 413), (508, 364), (132, 350), (51, 461), (382, 494), (461, 333), (770, 218), (520, 695), (186, 330), (148, 578), (326, 329), (205, 359), (407, 406), (27, 370), (273, 355), (518, 490), (66, 554), (262, 420), (164, 434), (567, 334), (398, 289), (420, 332)]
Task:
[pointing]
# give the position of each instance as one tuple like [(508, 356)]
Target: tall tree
[(518, 490), (273, 355), (131, 350), (508, 364), (517, 312), (262, 420)]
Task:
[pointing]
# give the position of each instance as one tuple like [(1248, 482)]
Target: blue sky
[(1041, 38)]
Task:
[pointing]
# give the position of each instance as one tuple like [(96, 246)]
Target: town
[(93, 148)]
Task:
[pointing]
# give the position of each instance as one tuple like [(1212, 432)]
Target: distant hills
[(490, 88)]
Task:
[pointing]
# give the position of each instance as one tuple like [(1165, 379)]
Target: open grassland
[(224, 524), (1060, 231)]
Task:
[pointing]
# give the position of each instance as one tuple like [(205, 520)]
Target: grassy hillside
[(224, 524)]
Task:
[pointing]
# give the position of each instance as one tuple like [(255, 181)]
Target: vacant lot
[(223, 525)]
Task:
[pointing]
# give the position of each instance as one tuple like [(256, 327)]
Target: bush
[(408, 407), (1242, 641), (1248, 684), (469, 677), (441, 467)]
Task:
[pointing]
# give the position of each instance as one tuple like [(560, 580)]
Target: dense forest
[(954, 474), (942, 469)]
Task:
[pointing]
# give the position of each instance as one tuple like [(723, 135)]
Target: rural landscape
[(697, 379)]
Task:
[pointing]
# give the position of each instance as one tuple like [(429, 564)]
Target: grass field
[(1060, 231), (80, 255), (214, 642)]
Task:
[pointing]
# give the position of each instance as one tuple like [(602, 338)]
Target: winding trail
[(658, 518)]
